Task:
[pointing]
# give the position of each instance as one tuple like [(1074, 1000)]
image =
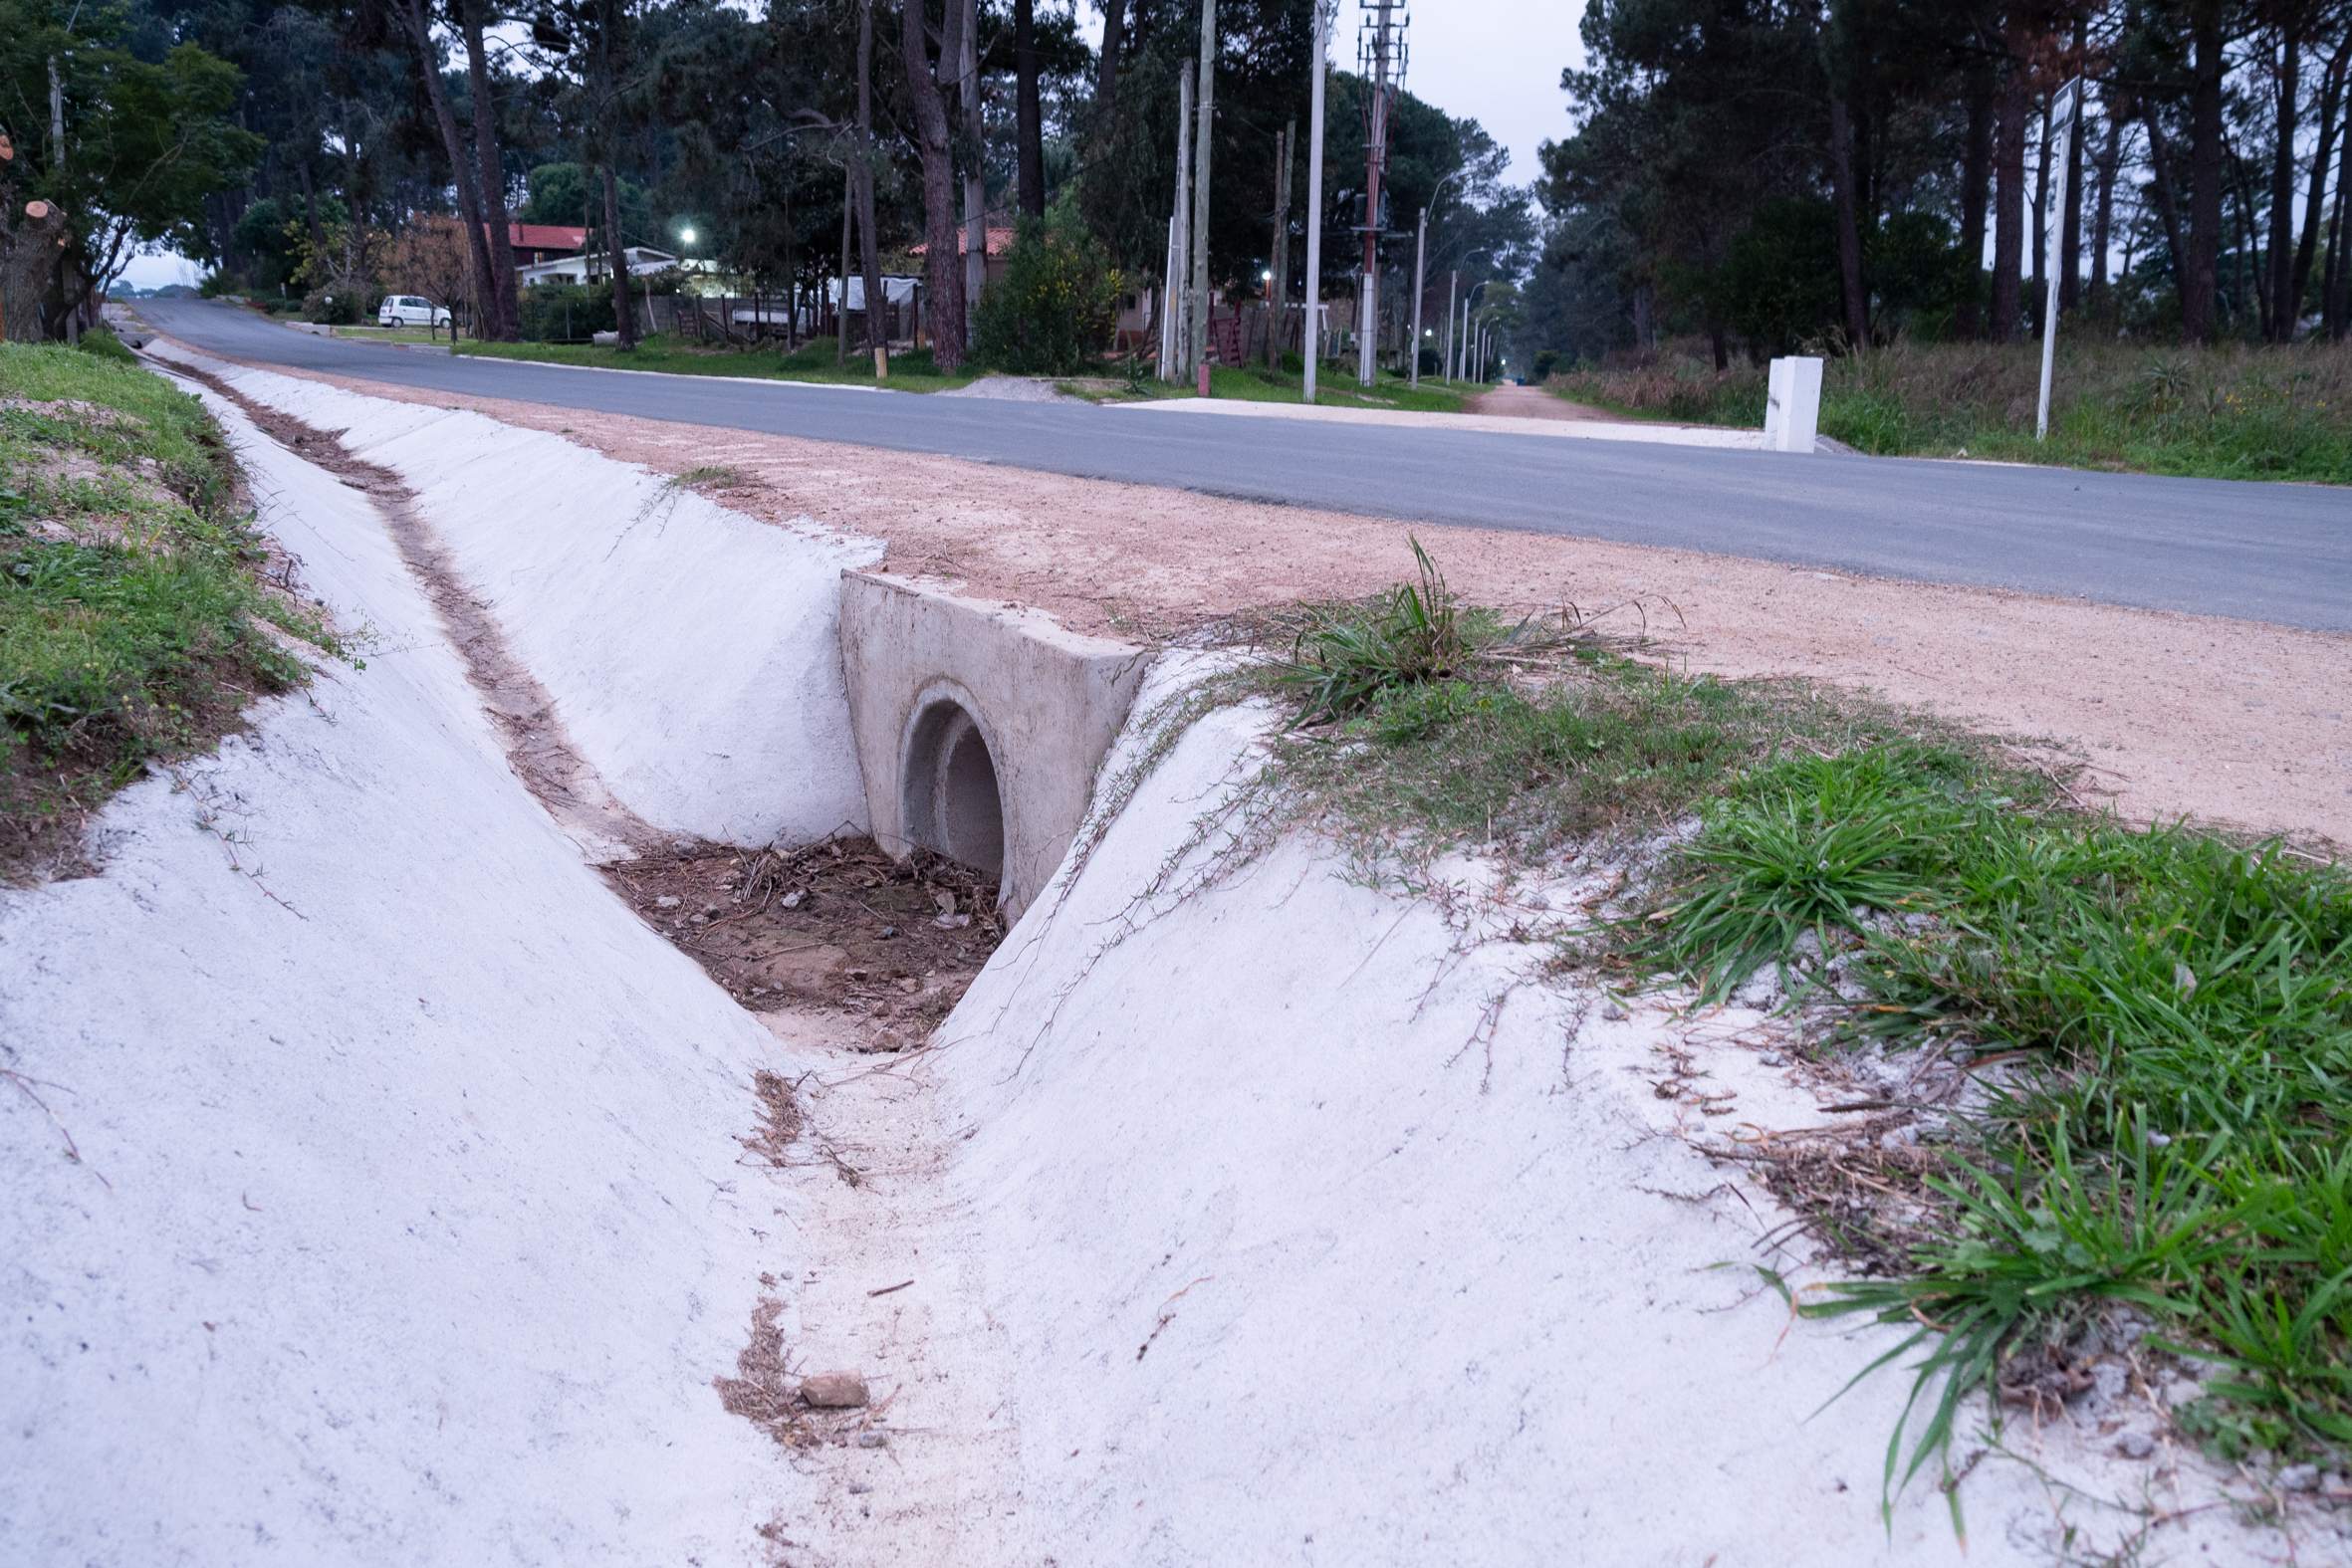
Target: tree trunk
[(2339, 283), (1974, 178), (2331, 97), (1849, 236), (2280, 257), (310, 207), (943, 277), (1028, 133), (2201, 276), (2104, 222), (2168, 199), (494, 209), (2013, 108), (2070, 227), (29, 248), (2242, 186), (1107, 80), (842, 316), (469, 207), (623, 313)]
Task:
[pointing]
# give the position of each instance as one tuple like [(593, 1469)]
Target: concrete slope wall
[(1307, 1257), (694, 653), (413, 1227)]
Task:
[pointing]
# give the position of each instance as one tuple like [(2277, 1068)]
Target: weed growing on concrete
[(2176, 1016), (134, 622)]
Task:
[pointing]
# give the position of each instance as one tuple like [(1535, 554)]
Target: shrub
[(557, 313), (1055, 308)]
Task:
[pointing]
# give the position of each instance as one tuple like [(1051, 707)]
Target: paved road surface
[(2274, 553)]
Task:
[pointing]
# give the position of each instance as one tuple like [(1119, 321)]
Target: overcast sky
[(1496, 62)]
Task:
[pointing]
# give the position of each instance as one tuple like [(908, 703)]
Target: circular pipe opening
[(951, 803)]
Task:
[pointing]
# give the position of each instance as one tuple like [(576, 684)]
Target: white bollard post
[(1793, 405)]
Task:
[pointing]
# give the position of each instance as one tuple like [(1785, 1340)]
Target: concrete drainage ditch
[(979, 725)]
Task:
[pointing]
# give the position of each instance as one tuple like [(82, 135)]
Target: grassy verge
[(2228, 412), (2170, 1013), (814, 362), (133, 623), (396, 335), (1335, 388)]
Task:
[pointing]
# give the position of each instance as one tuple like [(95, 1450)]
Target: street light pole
[(1420, 259), (1314, 194)]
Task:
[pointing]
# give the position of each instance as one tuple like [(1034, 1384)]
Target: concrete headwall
[(929, 673)]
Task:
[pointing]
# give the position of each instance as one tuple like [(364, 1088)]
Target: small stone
[(859, 1488), (682, 847), (2300, 1478), (710, 911), (1773, 1058), (2186, 1391), (2135, 1444), (667, 901), (1613, 1013), (791, 900), (834, 1390), (873, 1439), (910, 985)]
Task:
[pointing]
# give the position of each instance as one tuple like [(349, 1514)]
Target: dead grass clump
[(780, 1117), (761, 1391)]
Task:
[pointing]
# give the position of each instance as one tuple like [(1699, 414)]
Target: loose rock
[(835, 1391)]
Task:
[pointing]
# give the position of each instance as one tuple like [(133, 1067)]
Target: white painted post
[(1793, 405), (2061, 126)]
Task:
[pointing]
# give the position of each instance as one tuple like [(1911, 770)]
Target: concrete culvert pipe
[(953, 804)]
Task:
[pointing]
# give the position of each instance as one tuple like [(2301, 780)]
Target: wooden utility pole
[(1381, 51), (1286, 143)]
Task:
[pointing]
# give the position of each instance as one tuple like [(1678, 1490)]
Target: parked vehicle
[(407, 310)]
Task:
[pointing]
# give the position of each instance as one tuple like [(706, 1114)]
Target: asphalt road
[(2254, 551)]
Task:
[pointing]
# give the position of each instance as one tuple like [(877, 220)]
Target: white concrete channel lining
[(1303, 1245)]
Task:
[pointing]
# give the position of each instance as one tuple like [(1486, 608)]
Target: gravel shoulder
[(2232, 721)]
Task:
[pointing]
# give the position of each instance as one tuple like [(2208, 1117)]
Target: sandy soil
[(2229, 721)]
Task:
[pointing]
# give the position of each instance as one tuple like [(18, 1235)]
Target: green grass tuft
[(2177, 1010)]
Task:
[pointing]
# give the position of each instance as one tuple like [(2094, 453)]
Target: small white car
[(407, 310)]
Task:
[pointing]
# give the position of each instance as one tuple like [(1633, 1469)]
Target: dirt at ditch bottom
[(838, 924)]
